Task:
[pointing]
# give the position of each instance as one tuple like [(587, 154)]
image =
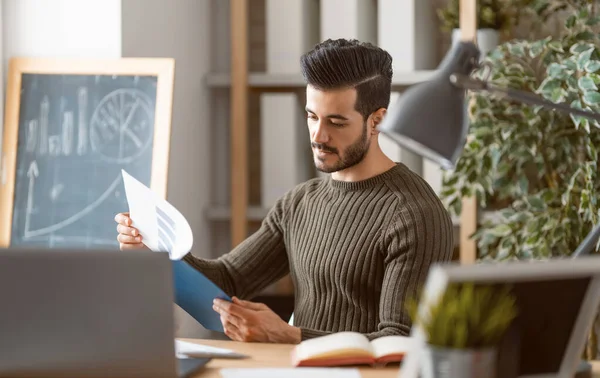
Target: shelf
[(282, 81)]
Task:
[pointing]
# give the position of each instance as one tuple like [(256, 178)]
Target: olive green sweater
[(356, 251)]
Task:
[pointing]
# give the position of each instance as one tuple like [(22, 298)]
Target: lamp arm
[(467, 82)]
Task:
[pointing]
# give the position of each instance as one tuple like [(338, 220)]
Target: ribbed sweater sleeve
[(257, 262)]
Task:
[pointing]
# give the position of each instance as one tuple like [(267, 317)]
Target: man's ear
[(376, 118)]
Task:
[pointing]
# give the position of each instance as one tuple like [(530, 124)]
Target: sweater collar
[(367, 183)]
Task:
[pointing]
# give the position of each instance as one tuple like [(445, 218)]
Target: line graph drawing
[(67, 133), (32, 173), (43, 135), (82, 140), (32, 129), (120, 125)]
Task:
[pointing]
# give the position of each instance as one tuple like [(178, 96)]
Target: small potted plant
[(463, 329), (494, 17)]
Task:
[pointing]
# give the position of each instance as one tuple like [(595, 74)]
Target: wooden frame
[(162, 68), (239, 121), (468, 216)]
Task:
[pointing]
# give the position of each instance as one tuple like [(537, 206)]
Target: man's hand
[(129, 237), (250, 321)]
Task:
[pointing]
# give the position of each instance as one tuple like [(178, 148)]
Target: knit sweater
[(355, 251)]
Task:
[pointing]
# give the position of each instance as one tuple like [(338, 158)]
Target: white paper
[(301, 372), (162, 227), (184, 349)]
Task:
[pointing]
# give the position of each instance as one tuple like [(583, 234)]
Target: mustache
[(324, 147)]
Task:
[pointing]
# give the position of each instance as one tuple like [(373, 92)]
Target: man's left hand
[(254, 322)]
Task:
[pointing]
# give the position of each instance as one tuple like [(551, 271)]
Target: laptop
[(82, 313), (557, 302)]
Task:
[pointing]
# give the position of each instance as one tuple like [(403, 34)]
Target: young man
[(357, 244)]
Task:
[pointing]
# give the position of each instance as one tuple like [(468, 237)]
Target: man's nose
[(320, 134)]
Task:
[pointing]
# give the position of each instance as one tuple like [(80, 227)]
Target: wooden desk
[(278, 355), (270, 355)]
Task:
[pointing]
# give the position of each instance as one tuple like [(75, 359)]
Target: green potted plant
[(494, 17), (537, 170), (463, 329)]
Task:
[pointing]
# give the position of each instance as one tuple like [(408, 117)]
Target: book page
[(391, 345), (341, 343)]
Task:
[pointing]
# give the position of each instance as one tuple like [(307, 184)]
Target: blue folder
[(195, 293)]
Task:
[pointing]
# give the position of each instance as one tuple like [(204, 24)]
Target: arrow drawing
[(32, 173)]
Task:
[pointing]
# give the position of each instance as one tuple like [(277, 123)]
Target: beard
[(352, 155)]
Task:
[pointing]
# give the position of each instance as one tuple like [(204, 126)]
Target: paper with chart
[(161, 225)]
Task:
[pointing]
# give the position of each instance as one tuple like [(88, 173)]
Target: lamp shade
[(430, 119)]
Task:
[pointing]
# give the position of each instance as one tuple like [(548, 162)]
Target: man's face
[(338, 133)]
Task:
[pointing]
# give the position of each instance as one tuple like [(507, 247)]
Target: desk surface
[(269, 355), (278, 355)]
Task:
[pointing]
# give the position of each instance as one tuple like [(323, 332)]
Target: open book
[(350, 348)]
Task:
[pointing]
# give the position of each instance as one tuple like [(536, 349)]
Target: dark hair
[(341, 63)]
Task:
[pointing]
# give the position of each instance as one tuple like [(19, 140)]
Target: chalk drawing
[(119, 130), (43, 136), (32, 131), (82, 125), (67, 133)]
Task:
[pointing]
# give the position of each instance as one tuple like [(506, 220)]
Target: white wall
[(58, 28), (62, 28), (181, 29)]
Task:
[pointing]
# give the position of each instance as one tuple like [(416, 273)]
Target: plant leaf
[(586, 84), (591, 98)]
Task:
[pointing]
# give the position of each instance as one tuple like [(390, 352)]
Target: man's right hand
[(129, 237)]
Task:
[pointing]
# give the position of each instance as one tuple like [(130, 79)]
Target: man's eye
[(311, 116), (335, 124)]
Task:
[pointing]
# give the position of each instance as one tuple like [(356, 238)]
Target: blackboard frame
[(162, 68)]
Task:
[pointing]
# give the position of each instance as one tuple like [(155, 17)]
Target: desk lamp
[(430, 119)]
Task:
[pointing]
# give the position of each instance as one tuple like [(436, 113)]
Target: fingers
[(231, 330), (131, 231), (250, 305), (123, 218), (228, 311), (128, 239), (231, 308)]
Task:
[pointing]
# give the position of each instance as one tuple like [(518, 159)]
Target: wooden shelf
[(282, 81)]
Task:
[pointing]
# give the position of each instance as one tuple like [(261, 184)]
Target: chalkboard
[(70, 127)]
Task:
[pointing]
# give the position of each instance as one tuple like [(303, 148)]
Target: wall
[(180, 29), (58, 28)]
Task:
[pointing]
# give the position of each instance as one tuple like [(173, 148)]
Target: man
[(357, 244)]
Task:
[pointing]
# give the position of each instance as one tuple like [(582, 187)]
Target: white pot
[(487, 39), (458, 363)]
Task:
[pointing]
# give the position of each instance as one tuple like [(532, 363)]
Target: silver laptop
[(73, 313)]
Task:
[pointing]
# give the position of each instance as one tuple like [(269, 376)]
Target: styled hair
[(342, 63)]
